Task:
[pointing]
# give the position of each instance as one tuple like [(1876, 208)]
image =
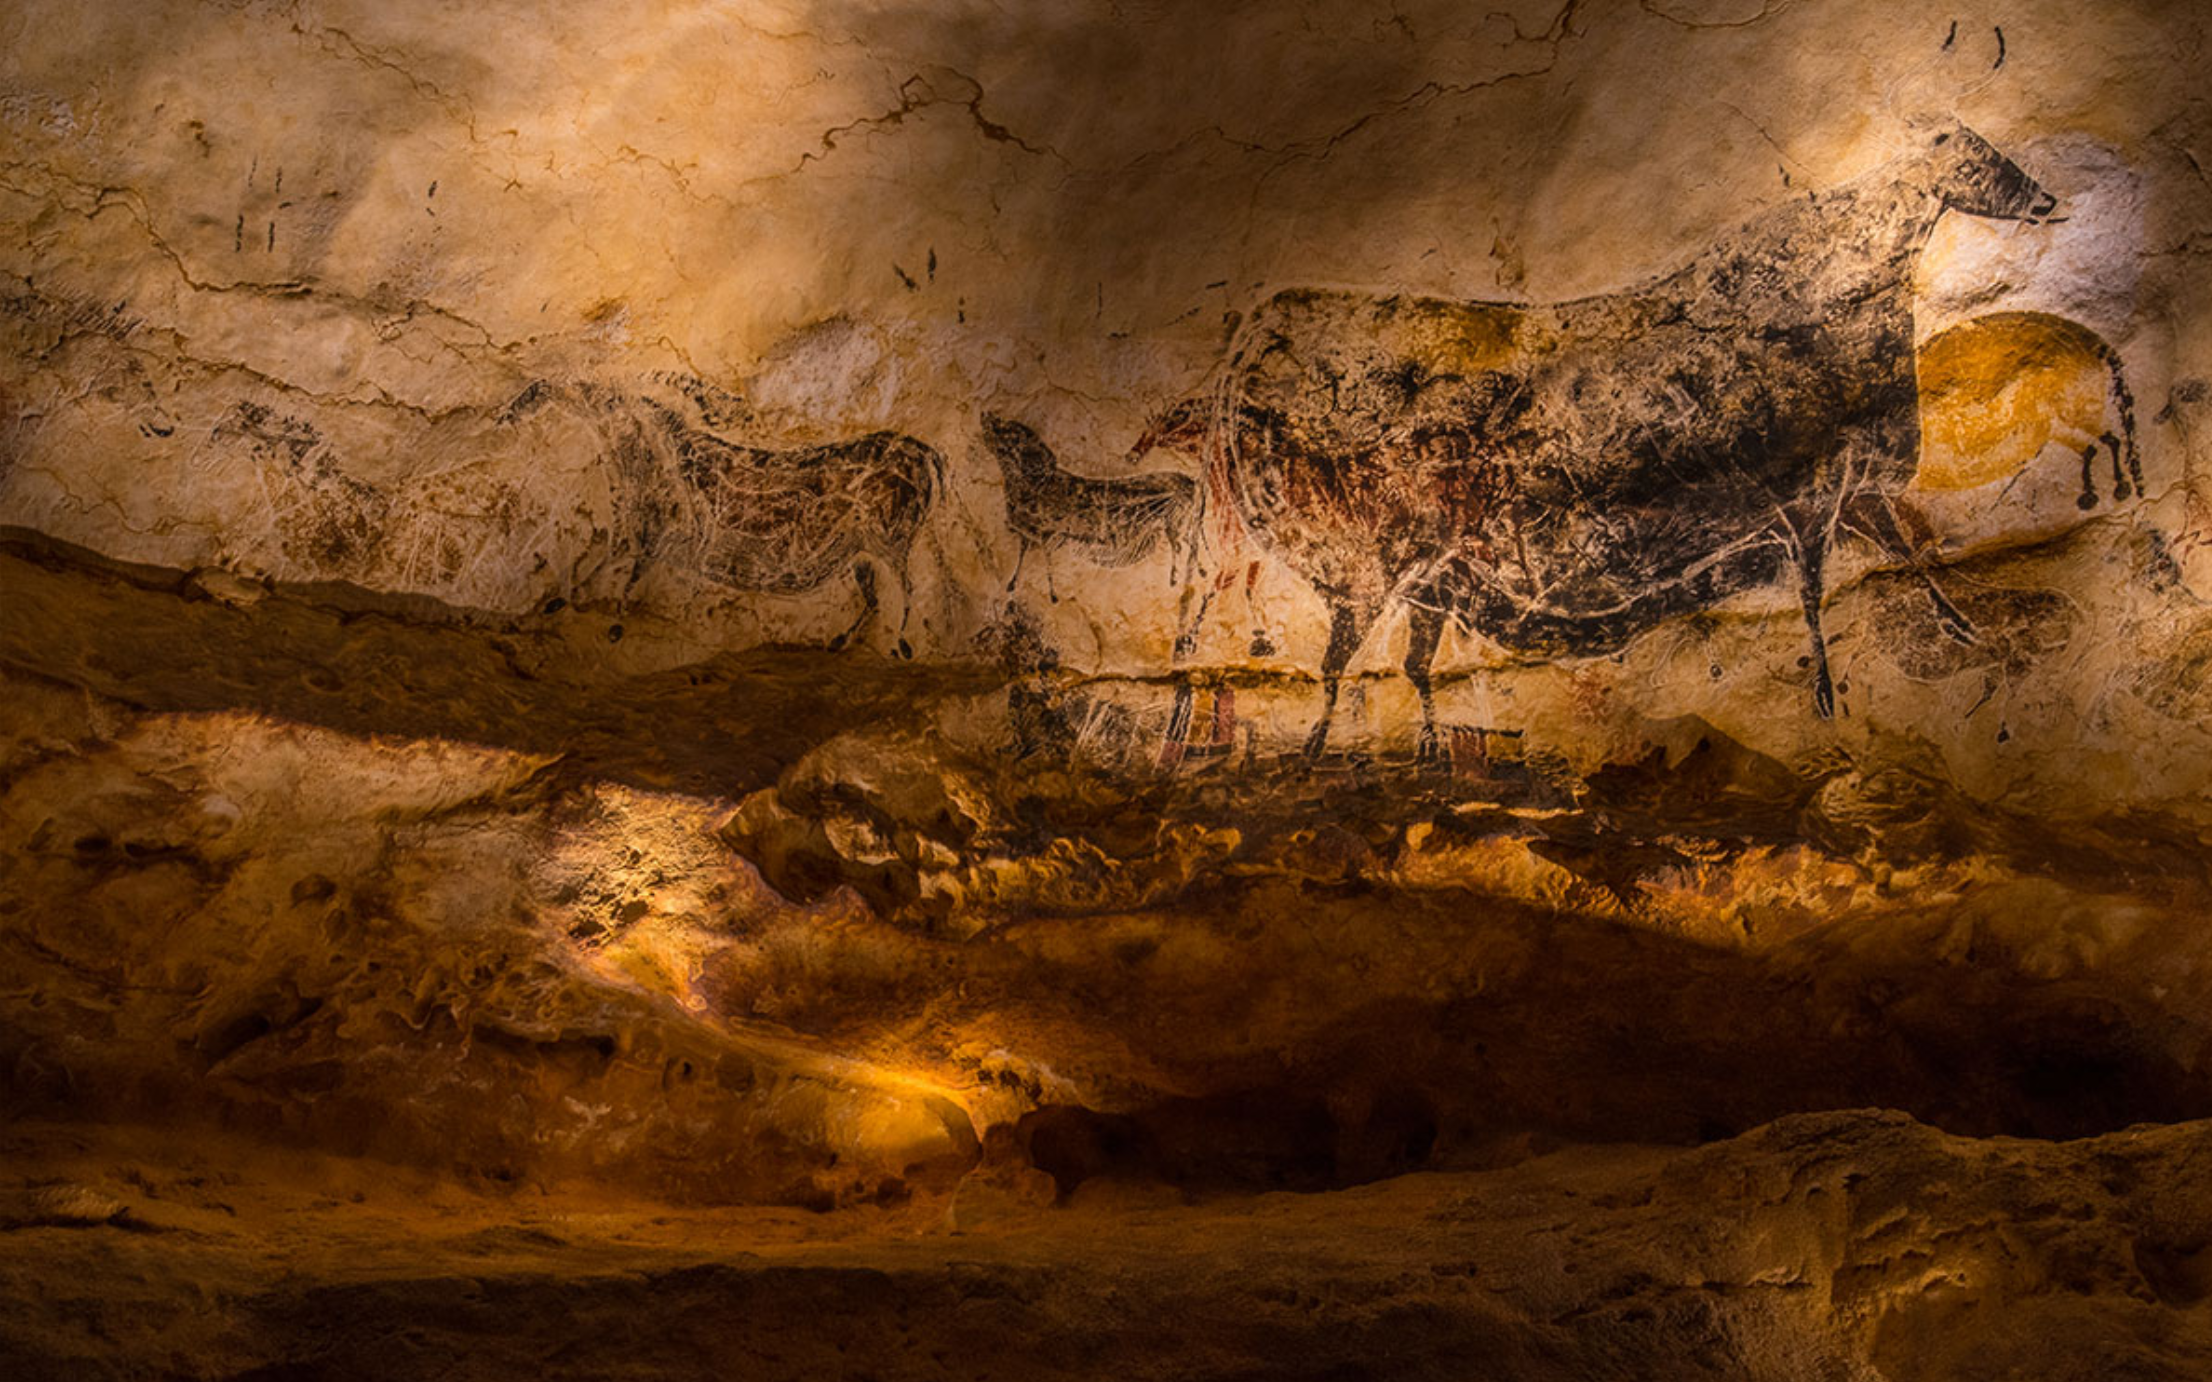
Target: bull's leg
[(1021, 554), (1346, 629), (2088, 496), (1874, 516), (1424, 632), (1811, 586), (2120, 489), (1262, 644), (865, 574), (2134, 457)]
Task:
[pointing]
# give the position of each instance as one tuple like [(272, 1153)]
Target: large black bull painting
[(1559, 477)]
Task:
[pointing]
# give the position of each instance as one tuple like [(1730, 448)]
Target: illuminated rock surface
[(1164, 691)]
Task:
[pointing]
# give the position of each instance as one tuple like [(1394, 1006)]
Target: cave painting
[(758, 519), (1560, 477), (1998, 389), (1112, 522), (1555, 477)]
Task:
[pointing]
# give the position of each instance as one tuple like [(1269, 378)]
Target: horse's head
[(1966, 173), (1017, 449)]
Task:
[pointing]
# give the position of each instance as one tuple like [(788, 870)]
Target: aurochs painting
[(1559, 477)]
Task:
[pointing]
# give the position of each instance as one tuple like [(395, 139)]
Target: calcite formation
[(797, 688)]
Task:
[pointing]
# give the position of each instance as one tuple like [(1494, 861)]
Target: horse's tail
[(923, 469)]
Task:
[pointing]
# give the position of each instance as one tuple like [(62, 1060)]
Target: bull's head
[(1967, 174)]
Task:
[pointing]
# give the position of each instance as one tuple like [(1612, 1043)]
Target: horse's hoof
[(906, 650), (2088, 500), (2121, 490)]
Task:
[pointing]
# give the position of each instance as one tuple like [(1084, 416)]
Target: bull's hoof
[(906, 650), (2120, 490), (2087, 500), (837, 644), (1428, 756), (1262, 645), (1824, 698)]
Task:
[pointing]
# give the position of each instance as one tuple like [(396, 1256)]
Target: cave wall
[(748, 600), (707, 328)]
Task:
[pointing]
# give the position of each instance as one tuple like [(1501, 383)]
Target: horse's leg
[(2120, 489), (906, 611), (1346, 629), (1021, 554), (2088, 497), (865, 574), (1424, 631), (1873, 516)]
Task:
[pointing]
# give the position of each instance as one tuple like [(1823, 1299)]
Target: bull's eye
[(1942, 139)]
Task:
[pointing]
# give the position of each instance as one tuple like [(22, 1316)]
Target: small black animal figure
[(1113, 522)]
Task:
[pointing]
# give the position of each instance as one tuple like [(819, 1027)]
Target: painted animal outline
[(1561, 476), (1114, 522), (766, 520), (1998, 389)]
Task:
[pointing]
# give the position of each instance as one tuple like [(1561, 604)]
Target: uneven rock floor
[(1845, 1245)]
